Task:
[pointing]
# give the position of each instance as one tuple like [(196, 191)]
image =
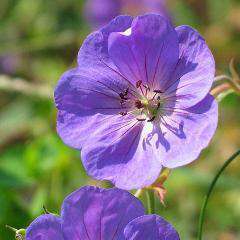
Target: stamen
[(123, 113), (126, 91), (157, 91), (154, 96), (123, 96), (141, 119), (151, 119), (138, 104), (138, 83), (122, 102), (147, 89)]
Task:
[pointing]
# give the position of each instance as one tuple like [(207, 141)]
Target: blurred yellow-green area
[(39, 40)]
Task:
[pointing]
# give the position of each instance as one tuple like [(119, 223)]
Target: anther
[(151, 119), (126, 92), (138, 104), (123, 96), (138, 83), (141, 119), (123, 113), (157, 91), (122, 102)]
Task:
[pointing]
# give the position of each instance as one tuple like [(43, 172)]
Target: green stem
[(138, 193), (212, 185), (150, 201)]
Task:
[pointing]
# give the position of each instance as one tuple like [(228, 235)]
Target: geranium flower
[(92, 213), (138, 100), (9, 63), (100, 12)]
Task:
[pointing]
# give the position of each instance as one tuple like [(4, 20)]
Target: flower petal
[(94, 213), (75, 129), (151, 227), (84, 99), (88, 89), (94, 81), (95, 47), (122, 153), (91, 89), (147, 52), (188, 132), (195, 70), (45, 227)]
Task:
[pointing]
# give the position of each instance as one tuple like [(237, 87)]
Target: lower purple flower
[(138, 100), (92, 213)]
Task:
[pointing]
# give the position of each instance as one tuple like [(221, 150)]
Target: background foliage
[(39, 40)]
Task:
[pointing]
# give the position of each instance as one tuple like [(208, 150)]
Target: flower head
[(95, 213), (100, 12), (9, 64), (138, 100)]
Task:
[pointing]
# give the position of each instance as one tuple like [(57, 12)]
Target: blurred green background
[(39, 40)]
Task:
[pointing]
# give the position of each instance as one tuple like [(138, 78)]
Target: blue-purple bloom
[(138, 100), (100, 12), (92, 213), (9, 64)]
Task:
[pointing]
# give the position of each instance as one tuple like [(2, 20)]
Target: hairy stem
[(138, 193), (11, 228), (150, 201), (220, 89)]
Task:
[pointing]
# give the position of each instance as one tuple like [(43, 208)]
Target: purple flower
[(138, 100), (95, 213), (100, 12), (9, 64), (138, 7)]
